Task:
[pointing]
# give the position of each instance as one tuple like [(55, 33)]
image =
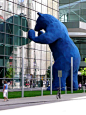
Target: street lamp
[(35, 67), (35, 72)]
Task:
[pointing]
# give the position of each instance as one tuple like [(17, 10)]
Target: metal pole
[(84, 89), (71, 74), (51, 74), (34, 67), (60, 85), (22, 71), (65, 89), (82, 82), (42, 91)]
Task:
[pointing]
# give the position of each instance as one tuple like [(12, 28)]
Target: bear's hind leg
[(75, 81), (55, 84), (58, 65)]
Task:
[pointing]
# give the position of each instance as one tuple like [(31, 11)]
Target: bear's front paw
[(31, 34), (39, 33)]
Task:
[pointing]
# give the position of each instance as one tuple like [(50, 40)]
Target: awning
[(76, 29)]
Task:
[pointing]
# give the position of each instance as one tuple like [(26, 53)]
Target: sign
[(59, 73)]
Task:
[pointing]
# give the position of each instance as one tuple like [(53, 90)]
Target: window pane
[(8, 50)]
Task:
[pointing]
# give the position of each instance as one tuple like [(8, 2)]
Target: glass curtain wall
[(16, 18), (81, 44), (74, 11)]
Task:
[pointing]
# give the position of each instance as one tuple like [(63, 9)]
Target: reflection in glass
[(73, 10), (16, 18)]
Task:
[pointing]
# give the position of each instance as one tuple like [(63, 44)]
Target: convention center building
[(21, 57)]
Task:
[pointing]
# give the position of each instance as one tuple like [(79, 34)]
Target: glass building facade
[(73, 14), (16, 18), (72, 10)]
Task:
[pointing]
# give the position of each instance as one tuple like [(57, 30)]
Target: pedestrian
[(58, 94), (33, 84), (80, 85), (41, 83), (47, 83), (5, 91), (30, 83)]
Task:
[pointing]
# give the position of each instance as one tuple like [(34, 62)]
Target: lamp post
[(35, 67), (34, 73), (22, 71)]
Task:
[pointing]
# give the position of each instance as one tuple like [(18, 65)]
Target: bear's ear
[(39, 14)]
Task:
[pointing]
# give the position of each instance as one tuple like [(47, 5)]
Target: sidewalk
[(41, 99)]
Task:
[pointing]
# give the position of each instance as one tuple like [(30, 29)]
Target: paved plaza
[(69, 103)]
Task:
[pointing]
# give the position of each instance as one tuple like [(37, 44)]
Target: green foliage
[(17, 94), (10, 72), (48, 72), (83, 70)]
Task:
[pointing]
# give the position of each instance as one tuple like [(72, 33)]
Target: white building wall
[(40, 56)]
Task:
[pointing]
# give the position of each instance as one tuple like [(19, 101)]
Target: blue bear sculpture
[(62, 47)]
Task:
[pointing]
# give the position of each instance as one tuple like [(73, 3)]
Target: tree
[(48, 72), (10, 72), (83, 70)]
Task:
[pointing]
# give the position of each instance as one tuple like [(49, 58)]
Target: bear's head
[(43, 21)]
